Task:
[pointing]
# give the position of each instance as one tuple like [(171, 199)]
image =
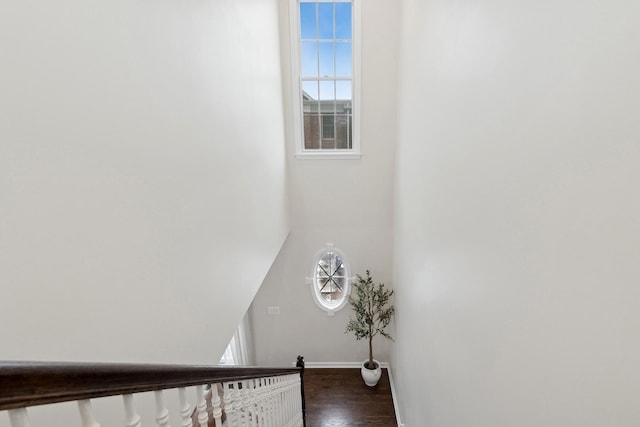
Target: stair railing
[(226, 396)]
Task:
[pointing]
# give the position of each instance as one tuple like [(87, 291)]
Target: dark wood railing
[(24, 384)]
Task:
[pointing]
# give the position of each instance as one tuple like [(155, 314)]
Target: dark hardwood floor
[(338, 397)]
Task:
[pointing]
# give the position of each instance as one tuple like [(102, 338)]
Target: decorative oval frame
[(331, 309)]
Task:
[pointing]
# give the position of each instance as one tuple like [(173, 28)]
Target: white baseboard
[(325, 365), (396, 408)]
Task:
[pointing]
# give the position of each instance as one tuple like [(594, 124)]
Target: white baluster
[(252, 402), (215, 405), (207, 397), (287, 401), (162, 413), (185, 408), (232, 418), (279, 401), (247, 391), (203, 417), (19, 417), (295, 395), (283, 400), (290, 401), (86, 414), (271, 402), (132, 417), (244, 402), (259, 401), (236, 401)]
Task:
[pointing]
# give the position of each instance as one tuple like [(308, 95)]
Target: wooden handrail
[(24, 384)]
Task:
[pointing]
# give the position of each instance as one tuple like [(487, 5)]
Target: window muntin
[(331, 278), (330, 281), (326, 40)]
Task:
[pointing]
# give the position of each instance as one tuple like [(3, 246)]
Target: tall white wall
[(346, 202), (517, 226), (142, 175)]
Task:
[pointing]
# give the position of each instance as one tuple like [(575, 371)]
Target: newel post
[(300, 364)]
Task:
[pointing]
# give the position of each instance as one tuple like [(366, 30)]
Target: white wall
[(142, 176), (517, 231), (346, 202)]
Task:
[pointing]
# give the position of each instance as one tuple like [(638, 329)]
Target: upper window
[(324, 37), (330, 281)]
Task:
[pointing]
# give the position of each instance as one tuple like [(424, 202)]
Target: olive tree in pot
[(373, 311)]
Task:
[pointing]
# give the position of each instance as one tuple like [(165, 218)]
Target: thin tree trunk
[(370, 303)]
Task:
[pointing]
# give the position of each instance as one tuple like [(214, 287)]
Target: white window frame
[(294, 33), (312, 281)]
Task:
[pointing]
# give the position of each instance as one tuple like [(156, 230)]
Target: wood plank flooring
[(338, 397)]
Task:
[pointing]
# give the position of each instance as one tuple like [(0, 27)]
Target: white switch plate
[(273, 310)]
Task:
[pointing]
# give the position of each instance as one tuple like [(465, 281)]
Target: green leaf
[(372, 308)]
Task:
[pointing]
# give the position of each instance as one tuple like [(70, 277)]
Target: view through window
[(326, 59), (330, 280)]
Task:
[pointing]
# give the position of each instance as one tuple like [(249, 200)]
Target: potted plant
[(373, 311)]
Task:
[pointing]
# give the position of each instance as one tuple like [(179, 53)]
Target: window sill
[(327, 155)]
